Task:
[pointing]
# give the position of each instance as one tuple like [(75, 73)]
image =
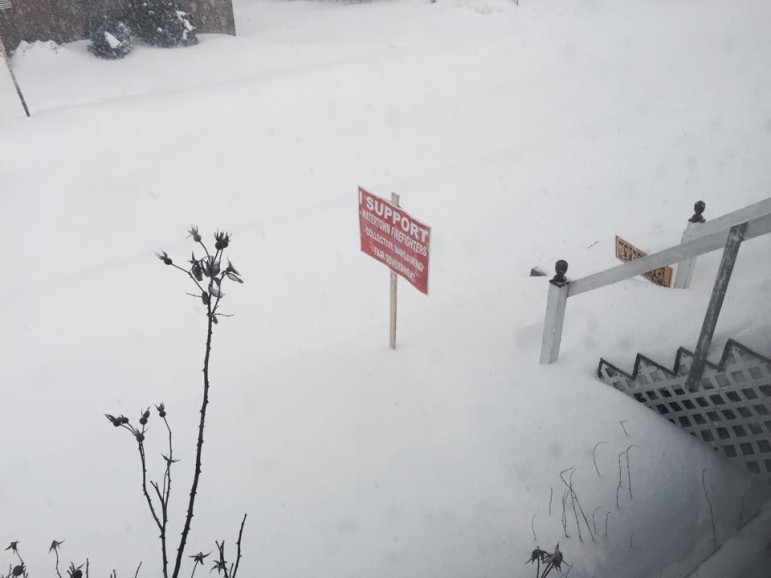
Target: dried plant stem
[(167, 474), (564, 515), (21, 564), (583, 515), (532, 526), (711, 511), (631, 540), (234, 571), (551, 496), (163, 496), (628, 471), (575, 515), (620, 480), (221, 565), (607, 515), (137, 572), (572, 500), (199, 445), (594, 521), (161, 525), (594, 457), (56, 553), (621, 423), (576, 503)]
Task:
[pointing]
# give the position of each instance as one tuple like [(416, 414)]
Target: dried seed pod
[(196, 272), (222, 240), (164, 257), (194, 234)]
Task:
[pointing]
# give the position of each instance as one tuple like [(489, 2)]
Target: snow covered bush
[(111, 40), (161, 23)]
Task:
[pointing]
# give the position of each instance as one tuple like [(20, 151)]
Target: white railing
[(697, 229), (698, 239)]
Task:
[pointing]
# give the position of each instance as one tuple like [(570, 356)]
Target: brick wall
[(67, 20)]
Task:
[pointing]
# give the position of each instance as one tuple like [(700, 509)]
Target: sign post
[(393, 292), (13, 76), (399, 241)]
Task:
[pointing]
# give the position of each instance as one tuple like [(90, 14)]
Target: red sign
[(394, 238)]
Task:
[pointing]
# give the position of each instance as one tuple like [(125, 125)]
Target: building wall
[(67, 20)]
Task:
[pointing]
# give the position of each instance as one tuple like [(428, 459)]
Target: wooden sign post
[(392, 300), (397, 240), (13, 77)]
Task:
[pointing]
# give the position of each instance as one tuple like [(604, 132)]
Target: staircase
[(730, 410)]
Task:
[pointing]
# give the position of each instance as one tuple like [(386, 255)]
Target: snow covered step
[(731, 411)]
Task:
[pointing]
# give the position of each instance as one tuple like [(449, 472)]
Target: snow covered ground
[(521, 134)]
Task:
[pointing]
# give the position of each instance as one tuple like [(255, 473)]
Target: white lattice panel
[(731, 410)]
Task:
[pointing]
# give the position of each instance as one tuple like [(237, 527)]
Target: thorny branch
[(210, 268), (234, 571), (139, 435), (199, 445)]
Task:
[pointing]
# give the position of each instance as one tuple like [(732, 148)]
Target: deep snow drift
[(521, 135)]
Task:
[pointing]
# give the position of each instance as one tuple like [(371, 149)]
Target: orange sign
[(627, 252)]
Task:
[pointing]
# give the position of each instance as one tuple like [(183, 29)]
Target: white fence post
[(555, 314), (685, 269)]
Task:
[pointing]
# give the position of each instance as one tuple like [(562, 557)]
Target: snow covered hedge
[(111, 40), (157, 22), (162, 23)]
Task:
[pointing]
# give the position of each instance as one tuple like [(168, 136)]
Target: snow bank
[(521, 135)]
